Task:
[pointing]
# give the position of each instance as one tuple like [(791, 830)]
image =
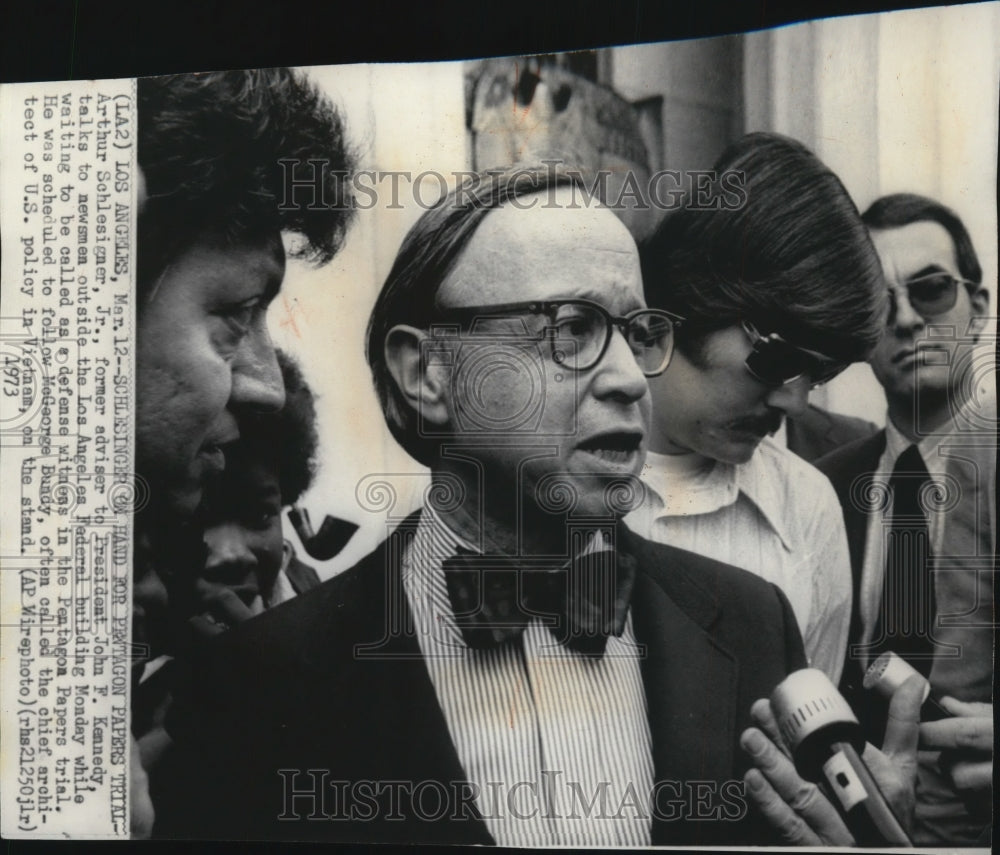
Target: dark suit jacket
[(817, 432), (331, 680), (850, 467)]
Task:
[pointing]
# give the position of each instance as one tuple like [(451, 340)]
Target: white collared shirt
[(776, 516), (539, 729)]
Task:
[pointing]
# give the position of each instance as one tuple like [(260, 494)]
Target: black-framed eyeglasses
[(930, 295), (579, 331), (777, 362)]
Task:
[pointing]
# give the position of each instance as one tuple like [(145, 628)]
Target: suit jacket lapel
[(690, 681), (855, 514), (399, 731), (851, 470)]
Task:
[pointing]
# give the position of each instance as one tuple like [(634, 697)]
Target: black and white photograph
[(578, 448)]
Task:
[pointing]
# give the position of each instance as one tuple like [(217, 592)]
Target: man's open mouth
[(617, 447)]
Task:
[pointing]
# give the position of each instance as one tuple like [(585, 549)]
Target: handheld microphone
[(332, 537), (889, 672), (826, 741)]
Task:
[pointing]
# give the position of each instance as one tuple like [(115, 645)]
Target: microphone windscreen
[(888, 673), (806, 702)]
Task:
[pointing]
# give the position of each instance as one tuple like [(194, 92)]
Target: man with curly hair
[(218, 154)]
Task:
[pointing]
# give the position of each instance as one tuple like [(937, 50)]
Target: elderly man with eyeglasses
[(780, 289), (919, 501), (512, 666)]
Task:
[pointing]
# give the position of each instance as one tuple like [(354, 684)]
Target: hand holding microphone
[(807, 719), (889, 671), (962, 732), (965, 742)]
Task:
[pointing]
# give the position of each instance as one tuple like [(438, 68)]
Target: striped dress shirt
[(556, 745)]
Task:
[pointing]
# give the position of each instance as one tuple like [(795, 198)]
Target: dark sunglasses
[(930, 295), (777, 362), (579, 331)]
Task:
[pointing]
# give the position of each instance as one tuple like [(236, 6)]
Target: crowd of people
[(642, 525)]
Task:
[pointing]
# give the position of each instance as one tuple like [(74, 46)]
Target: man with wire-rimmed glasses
[(512, 665), (780, 294)]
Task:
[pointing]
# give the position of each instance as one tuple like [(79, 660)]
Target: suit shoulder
[(850, 428), (282, 633), (856, 457), (816, 431), (730, 603), (688, 577)]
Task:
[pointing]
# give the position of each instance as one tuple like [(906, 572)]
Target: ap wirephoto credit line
[(69, 494), (580, 449)]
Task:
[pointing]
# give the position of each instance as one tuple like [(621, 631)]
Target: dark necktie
[(908, 608), (494, 597)]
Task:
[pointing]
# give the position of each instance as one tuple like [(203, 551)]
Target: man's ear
[(421, 383), (979, 301)]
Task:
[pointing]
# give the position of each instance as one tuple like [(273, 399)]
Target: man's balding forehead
[(542, 205), (533, 244), (559, 216)]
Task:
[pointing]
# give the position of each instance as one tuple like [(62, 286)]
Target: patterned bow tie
[(494, 597)]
